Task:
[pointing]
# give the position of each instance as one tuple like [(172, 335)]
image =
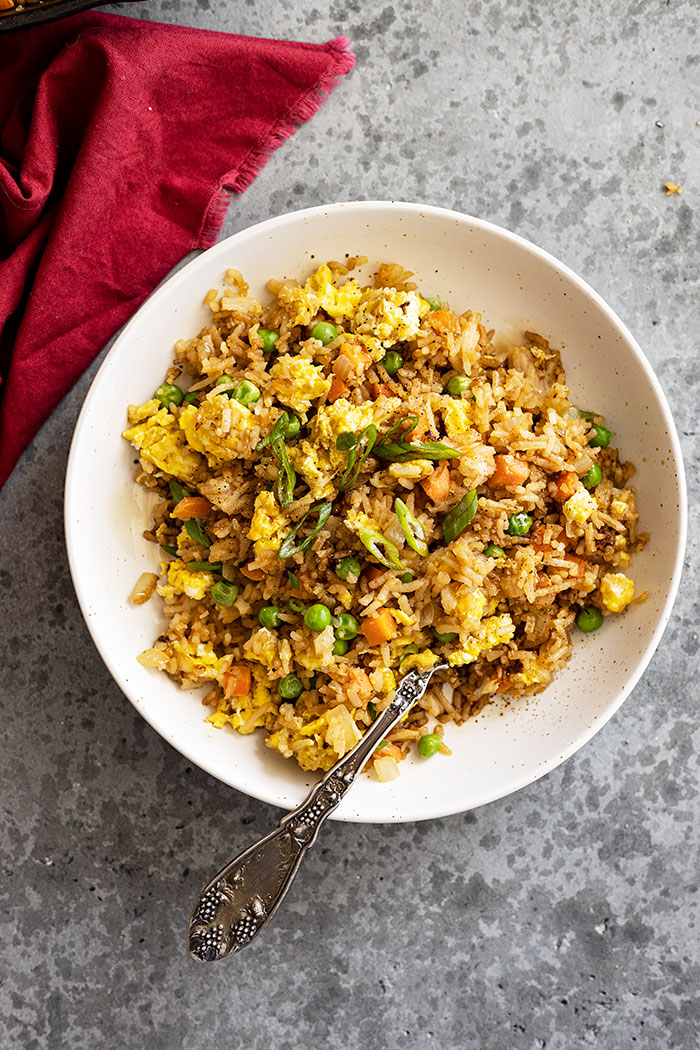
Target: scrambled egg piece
[(296, 382), (389, 316), (161, 442), (268, 525), (314, 465), (580, 506), (320, 293), (316, 458), (457, 417), (198, 659), (248, 712), (261, 646), (617, 591), (318, 744), (182, 580), (534, 673), (470, 604), (492, 631), (332, 420), (421, 661), (221, 428)]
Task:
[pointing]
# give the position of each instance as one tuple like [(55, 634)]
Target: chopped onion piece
[(386, 768)]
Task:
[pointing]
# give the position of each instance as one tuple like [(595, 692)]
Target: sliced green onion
[(381, 744), (293, 579), (588, 415), (412, 528), (364, 440), (374, 541), (454, 523), (168, 549), (287, 425), (229, 571), (178, 490), (224, 593), (296, 605), (195, 530), (409, 650), (204, 566), (401, 451), (372, 709), (286, 477), (289, 547), (432, 301), (446, 636)]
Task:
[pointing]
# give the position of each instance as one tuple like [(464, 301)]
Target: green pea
[(268, 339), (432, 302), (224, 593), (225, 381), (348, 569), (317, 617), (429, 745), (290, 687), (458, 385), (246, 393), (296, 605), (340, 647), (392, 362), (519, 524), (406, 577), (600, 436), (168, 394), (592, 477), (191, 396), (292, 426), (346, 627), (324, 332), (494, 551), (448, 636), (589, 619), (269, 616)]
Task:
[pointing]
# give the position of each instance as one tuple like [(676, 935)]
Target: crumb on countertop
[(672, 187)]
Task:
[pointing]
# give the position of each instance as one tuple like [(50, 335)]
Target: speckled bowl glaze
[(516, 286)]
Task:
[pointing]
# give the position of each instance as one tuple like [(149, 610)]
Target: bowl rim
[(181, 277)]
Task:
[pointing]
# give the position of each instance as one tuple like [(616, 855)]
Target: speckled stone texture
[(562, 917)]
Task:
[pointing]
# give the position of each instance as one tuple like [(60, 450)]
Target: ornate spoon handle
[(245, 894)]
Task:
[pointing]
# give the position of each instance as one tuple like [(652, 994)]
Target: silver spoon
[(243, 897)]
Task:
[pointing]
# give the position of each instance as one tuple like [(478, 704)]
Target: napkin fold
[(121, 145)]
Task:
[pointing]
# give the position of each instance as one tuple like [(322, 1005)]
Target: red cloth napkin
[(121, 144)]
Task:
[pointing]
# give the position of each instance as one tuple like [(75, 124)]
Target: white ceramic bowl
[(516, 286)]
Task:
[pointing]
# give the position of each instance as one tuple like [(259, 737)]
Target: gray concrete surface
[(562, 917)]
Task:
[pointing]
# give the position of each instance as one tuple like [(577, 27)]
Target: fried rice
[(354, 480)]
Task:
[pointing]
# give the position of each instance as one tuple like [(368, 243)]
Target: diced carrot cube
[(564, 485), (578, 564), (372, 573), (444, 321), (509, 470), (338, 389), (437, 485), (252, 574), (376, 389), (237, 681), (192, 507), (379, 628), (357, 355)]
